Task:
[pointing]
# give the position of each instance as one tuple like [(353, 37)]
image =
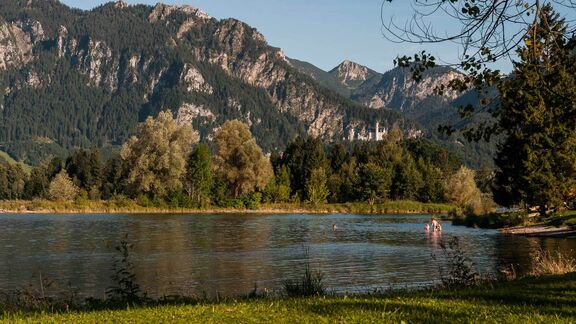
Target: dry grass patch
[(552, 263)]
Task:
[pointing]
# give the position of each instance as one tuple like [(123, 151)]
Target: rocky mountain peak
[(162, 12), (121, 4), (350, 72)]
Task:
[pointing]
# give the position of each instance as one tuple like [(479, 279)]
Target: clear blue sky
[(322, 32)]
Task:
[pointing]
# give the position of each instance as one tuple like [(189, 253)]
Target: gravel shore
[(540, 231)]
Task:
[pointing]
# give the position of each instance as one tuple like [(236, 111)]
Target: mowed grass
[(543, 300)]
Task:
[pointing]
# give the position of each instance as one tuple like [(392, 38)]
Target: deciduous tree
[(316, 188), (62, 188), (198, 179), (156, 155), (462, 190), (240, 161)]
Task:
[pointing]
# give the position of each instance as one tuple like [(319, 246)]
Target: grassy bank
[(494, 220), (521, 223), (130, 206), (550, 299), (567, 218)]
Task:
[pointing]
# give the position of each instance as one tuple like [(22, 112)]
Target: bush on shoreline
[(490, 220)]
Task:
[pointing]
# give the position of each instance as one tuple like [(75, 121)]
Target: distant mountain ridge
[(396, 90)]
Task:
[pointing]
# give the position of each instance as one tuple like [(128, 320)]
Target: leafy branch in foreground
[(490, 31), (125, 288), (461, 269), (310, 284)]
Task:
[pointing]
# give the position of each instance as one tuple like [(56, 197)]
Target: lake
[(231, 254)]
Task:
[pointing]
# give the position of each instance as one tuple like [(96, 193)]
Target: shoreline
[(540, 231), (25, 207)]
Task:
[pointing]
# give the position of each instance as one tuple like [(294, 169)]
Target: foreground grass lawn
[(544, 300)]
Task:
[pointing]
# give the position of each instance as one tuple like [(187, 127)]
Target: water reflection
[(230, 254)]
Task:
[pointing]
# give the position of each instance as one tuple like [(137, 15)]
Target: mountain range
[(75, 79)]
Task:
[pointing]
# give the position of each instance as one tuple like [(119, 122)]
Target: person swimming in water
[(427, 228)]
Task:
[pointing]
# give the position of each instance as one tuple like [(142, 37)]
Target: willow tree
[(156, 155), (239, 160), (461, 189)]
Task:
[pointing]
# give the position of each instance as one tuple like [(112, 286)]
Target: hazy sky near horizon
[(322, 32)]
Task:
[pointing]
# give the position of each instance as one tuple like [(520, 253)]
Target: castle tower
[(352, 134)]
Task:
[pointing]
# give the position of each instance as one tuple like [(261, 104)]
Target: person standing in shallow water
[(436, 227), (427, 228)]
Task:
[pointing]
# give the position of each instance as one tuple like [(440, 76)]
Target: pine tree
[(537, 161), (375, 182)]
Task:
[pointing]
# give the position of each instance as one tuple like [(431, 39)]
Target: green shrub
[(571, 222), (159, 203), (82, 198), (122, 201), (492, 220), (252, 201), (94, 193), (311, 284), (235, 203), (143, 201)]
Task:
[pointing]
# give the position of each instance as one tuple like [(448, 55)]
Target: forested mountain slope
[(72, 79)]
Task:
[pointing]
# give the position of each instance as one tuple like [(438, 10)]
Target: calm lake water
[(230, 254)]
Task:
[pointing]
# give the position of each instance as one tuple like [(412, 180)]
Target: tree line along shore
[(164, 168)]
